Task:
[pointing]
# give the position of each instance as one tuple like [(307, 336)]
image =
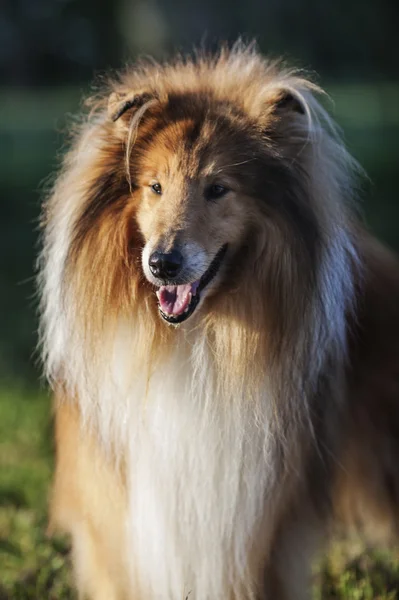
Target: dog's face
[(204, 175), (193, 214)]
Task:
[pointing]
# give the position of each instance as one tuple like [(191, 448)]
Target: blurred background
[(50, 52)]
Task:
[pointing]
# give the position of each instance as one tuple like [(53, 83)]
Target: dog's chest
[(197, 482)]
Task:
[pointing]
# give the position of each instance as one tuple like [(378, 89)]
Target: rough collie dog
[(221, 333)]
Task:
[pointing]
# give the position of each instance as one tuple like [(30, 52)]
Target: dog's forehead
[(198, 143)]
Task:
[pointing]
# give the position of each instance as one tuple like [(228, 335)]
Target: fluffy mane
[(285, 312)]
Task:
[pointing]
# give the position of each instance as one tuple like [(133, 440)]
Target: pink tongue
[(174, 299)]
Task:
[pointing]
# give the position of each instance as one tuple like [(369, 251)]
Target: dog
[(221, 333)]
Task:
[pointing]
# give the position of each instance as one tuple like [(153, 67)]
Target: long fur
[(224, 433)]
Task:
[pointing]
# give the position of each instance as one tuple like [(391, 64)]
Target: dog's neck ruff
[(197, 471)]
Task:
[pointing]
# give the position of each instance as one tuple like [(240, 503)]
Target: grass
[(34, 567), (349, 572), (31, 565)]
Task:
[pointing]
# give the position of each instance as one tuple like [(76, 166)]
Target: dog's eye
[(215, 191), (156, 188)]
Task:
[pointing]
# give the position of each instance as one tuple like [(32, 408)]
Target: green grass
[(349, 572), (33, 567)]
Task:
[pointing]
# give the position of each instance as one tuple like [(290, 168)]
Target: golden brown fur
[(90, 501), (223, 448)]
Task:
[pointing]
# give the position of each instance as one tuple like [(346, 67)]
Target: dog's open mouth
[(176, 303)]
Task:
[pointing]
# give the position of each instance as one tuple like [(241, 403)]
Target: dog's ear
[(287, 101), (287, 118), (123, 105)]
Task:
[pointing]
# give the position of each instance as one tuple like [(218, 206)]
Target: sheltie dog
[(221, 332)]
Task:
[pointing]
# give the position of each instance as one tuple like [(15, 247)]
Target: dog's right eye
[(156, 188), (215, 191)]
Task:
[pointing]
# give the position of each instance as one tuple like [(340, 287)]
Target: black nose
[(166, 266)]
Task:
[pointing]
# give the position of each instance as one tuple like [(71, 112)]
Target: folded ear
[(288, 101), (127, 103), (290, 115)]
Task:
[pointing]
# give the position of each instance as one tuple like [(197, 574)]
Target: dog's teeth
[(158, 294), (189, 302)]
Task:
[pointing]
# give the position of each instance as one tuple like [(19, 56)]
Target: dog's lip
[(192, 292)]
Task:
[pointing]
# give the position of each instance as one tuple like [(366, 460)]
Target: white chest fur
[(200, 469)]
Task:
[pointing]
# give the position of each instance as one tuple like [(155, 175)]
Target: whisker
[(244, 162)]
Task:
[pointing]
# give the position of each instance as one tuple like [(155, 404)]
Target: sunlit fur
[(201, 459)]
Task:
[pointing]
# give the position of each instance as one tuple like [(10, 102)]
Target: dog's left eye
[(156, 188), (215, 191)]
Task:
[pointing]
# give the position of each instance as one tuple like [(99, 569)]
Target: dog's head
[(206, 174), (211, 180)]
